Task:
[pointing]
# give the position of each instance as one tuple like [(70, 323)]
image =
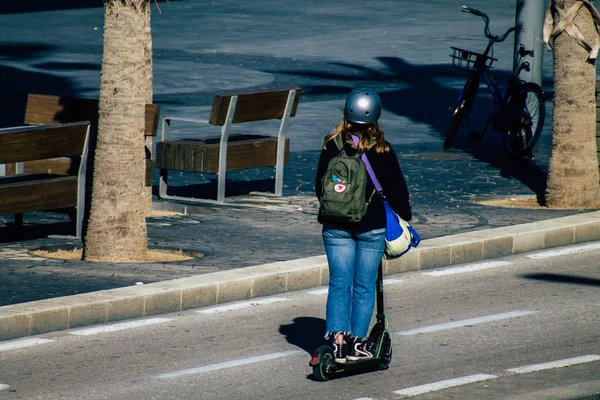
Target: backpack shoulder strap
[(369, 168), (338, 142)]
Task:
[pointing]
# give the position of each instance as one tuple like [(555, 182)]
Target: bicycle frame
[(482, 70), (512, 117), (499, 119)]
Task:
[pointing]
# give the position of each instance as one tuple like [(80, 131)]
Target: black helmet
[(363, 106)]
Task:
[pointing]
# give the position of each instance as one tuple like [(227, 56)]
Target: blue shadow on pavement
[(17, 83), (305, 333), (562, 278), (423, 99)]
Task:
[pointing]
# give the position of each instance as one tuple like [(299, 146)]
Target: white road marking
[(119, 327), (459, 324), (468, 268), (323, 291), (432, 387), (239, 306), (391, 281), (435, 386), (3, 386), (565, 251), (319, 292), (555, 364), (17, 344), (228, 364)]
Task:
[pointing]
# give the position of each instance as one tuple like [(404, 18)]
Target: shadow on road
[(185, 186), (420, 92), (305, 333), (45, 5), (562, 278), (12, 234), (16, 83)]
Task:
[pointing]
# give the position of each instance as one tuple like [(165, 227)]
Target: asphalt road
[(522, 327)]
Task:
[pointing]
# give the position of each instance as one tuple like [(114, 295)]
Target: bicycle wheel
[(527, 110), (461, 109)]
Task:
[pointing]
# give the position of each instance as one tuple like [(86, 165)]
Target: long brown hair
[(370, 135)]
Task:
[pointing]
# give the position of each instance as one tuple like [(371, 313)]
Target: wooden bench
[(24, 191), (230, 151), (48, 109)]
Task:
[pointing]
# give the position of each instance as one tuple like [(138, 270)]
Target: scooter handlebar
[(471, 10)]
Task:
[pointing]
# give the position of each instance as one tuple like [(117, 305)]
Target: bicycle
[(518, 114)]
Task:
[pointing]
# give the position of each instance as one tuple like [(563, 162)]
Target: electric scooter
[(323, 362)]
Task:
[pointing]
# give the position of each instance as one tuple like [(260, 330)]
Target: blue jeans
[(353, 258)]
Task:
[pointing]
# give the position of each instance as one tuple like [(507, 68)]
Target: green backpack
[(342, 197)]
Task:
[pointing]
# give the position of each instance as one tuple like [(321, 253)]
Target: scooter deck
[(357, 363), (353, 367)]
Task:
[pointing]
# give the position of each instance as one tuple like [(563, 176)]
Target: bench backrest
[(28, 143), (253, 106), (47, 110)]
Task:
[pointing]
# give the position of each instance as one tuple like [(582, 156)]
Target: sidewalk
[(275, 245)]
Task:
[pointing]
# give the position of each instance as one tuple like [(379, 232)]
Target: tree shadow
[(563, 278), (45, 5), (305, 333), (28, 6), (17, 83), (65, 66), (422, 93), (10, 233)]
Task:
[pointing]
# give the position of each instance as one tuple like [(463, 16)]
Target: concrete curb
[(69, 312)]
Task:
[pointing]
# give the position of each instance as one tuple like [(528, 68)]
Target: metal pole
[(281, 143), (529, 21)]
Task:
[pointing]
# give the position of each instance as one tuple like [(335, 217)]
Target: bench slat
[(42, 142), (58, 166), (196, 155), (49, 194), (254, 106), (47, 110)]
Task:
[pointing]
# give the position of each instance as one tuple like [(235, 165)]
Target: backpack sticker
[(339, 188)]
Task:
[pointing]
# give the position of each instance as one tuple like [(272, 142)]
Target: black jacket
[(388, 172)]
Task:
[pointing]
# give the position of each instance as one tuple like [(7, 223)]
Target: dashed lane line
[(448, 383), (467, 268), (435, 386), (564, 251), (119, 327), (323, 291), (466, 322), (228, 364), (555, 364), (319, 292), (391, 281), (241, 305), (18, 344)]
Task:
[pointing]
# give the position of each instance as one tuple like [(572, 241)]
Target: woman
[(354, 250)]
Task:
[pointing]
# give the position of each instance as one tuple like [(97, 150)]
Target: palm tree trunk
[(148, 96), (573, 171), (117, 225)]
